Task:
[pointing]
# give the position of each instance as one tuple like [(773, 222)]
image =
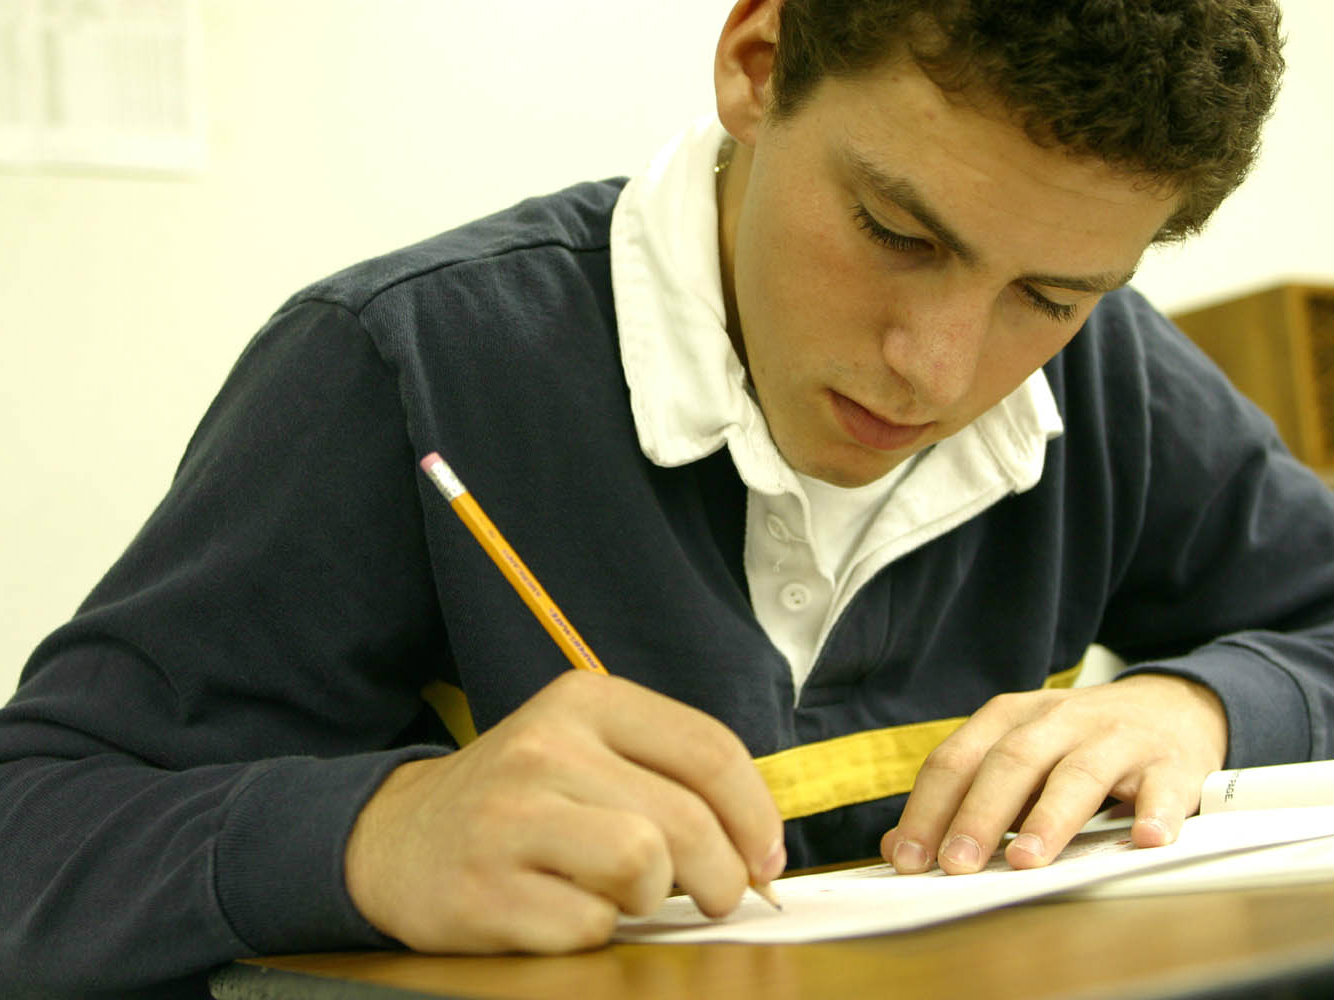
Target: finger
[(945, 779), (488, 890), (621, 856), (1008, 777), (695, 850), (1164, 801), (557, 917), (549, 875), (1161, 791), (1074, 792), (701, 754), (524, 911), (1048, 767)]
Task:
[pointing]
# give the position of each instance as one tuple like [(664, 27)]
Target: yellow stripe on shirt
[(811, 778), (861, 767)]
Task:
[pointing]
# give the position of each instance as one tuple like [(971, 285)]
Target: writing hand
[(1051, 758), (587, 802)]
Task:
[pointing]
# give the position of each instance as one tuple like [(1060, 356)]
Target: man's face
[(899, 263)]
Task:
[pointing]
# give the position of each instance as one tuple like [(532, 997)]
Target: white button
[(795, 596), (777, 528)]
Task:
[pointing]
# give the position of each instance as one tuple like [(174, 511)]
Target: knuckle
[(1018, 705), (1076, 713), (1005, 704), (1085, 769), (579, 688), (533, 749), (717, 749), (637, 849), (693, 825), (1000, 702), (1020, 748), (953, 757), (567, 684), (592, 925)]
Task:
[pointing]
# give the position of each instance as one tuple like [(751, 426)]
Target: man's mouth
[(873, 431)]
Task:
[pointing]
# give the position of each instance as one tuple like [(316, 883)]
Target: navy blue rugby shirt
[(182, 762)]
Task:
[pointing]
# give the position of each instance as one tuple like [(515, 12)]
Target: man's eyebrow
[(1098, 283), (901, 192)]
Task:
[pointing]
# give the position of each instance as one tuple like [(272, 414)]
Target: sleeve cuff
[(278, 859), (1267, 716)]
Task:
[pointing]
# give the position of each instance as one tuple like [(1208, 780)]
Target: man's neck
[(733, 172)]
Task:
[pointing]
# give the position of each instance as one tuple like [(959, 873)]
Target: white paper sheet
[(1310, 783), (1281, 864), (876, 900)]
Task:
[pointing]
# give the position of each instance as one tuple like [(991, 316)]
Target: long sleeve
[(1223, 564), (182, 762), (1259, 547)]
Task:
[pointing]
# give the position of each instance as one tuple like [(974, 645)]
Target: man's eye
[(887, 237), (1052, 310)]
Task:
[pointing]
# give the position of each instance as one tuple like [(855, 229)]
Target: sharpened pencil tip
[(766, 893)]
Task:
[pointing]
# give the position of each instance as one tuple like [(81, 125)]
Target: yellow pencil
[(520, 577), (539, 602)]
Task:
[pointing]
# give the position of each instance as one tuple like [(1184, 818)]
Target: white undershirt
[(797, 569), (841, 515)]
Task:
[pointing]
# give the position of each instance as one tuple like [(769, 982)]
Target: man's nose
[(934, 343)]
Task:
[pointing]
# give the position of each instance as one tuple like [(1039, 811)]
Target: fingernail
[(963, 852), (1030, 843), (1164, 835), (909, 857), (775, 863)]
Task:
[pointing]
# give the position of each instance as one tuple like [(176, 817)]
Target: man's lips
[(870, 430)]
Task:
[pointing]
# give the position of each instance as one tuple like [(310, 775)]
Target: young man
[(835, 421)]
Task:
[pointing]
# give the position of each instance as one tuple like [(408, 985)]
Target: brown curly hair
[(1176, 90)]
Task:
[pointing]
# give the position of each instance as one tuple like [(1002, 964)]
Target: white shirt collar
[(687, 387)]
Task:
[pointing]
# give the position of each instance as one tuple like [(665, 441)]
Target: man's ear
[(743, 65)]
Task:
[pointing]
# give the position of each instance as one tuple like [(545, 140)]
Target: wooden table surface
[(1244, 943)]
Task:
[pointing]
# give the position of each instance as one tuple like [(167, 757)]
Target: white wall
[(341, 128)]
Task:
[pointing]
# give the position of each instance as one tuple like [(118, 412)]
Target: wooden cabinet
[(1277, 346)]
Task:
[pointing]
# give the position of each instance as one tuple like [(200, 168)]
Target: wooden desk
[(1249, 943)]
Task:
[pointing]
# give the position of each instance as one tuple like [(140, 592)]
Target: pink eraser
[(430, 460)]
